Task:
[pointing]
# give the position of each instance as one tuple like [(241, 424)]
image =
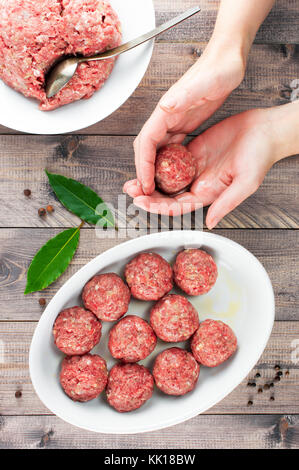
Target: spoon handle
[(145, 37)]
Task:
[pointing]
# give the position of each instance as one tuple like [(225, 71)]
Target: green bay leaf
[(52, 260), (81, 200)]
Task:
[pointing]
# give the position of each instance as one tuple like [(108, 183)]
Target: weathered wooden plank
[(271, 69), (15, 338), (105, 164), (202, 432), (277, 250), (282, 24)]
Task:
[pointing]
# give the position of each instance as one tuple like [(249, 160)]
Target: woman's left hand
[(233, 159)]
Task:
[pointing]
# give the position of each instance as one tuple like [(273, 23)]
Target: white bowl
[(242, 297), (22, 114)]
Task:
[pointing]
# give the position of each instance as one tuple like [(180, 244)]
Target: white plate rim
[(156, 239)]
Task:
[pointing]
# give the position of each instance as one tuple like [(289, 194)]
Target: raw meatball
[(129, 387), (76, 331), (175, 168), (195, 271), (213, 343), (175, 371), (149, 276), (132, 339), (83, 378), (107, 296), (35, 34), (174, 318)]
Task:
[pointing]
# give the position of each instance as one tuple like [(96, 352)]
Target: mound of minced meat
[(35, 34)]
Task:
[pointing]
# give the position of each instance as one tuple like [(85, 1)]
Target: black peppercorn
[(27, 192), (266, 387), (260, 390), (250, 403), (277, 367), (272, 398), (41, 212), (279, 373), (18, 394), (257, 375), (277, 378)]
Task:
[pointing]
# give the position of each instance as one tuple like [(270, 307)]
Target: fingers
[(133, 188), (159, 204), (203, 197), (145, 146), (229, 199), (145, 156)]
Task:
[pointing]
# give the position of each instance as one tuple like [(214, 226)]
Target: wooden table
[(102, 157)]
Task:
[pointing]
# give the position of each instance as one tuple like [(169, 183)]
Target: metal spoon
[(62, 72)]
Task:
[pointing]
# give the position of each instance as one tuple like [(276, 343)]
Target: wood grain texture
[(105, 163), (271, 69), (278, 250), (15, 339), (202, 432), (282, 24)]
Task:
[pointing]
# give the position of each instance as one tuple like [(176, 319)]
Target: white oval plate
[(22, 114), (242, 297)]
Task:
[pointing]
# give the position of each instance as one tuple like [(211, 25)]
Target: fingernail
[(212, 224), (148, 190)]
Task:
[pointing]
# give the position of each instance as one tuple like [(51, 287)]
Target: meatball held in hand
[(176, 168)]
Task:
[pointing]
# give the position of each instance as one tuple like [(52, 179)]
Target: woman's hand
[(200, 92), (233, 158), (188, 103)]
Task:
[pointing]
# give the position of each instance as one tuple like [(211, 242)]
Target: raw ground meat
[(176, 371), (35, 34), (174, 318), (195, 271), (176, 168), (107, 296), (129, 387), (213, 343), (83, 378), (132, 339), (149, 276), (76, 331)]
